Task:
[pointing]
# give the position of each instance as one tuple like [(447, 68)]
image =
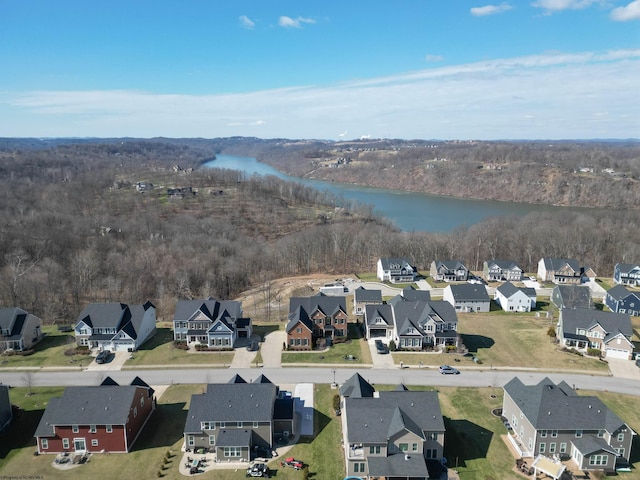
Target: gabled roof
[(620, 292), (469, 292), (573, 296), (408, 327), (96, 405), (395, 263), (557, 264), (12, 319), (399, 465), (385, 312), (231, 402), (105, 315), (411, 294), (328, 305), (211, 308), (450, 265), (237, 379), (548, 406), (299, 315), (371, 419), (361, 294), (627, 267), (356, 386), (583, 318), (262, 379), (503, 264), (589, 444), (508, 290)]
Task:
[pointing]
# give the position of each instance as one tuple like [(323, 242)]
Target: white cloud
[(558, 5), (630, 12), (490, 9), (288, 22), (246, 22), (433, 58), (546, 96)]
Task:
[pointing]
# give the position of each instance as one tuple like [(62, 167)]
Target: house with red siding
[(98, 419)]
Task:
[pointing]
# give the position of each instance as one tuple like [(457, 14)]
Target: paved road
[(409, 376)]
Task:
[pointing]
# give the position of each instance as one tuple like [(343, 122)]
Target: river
[(409, 211)]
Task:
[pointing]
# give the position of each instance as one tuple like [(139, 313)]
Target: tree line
[(74, 230)]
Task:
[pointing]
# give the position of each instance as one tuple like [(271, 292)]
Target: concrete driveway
[(271, 349), (380, 361), (117, 361), (623, 368)]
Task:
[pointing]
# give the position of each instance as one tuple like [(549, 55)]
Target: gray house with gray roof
[(467, 297), (620, 299), (19, 330), (392, 434), (234, 420), (608, 332), (549, 419)]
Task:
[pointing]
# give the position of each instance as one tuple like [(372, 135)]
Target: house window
[(109, 428), (432, 453), (232, 451), (554, 433), (65, 443), (135, 412), (414, 447), (530, 443), (239, 425), (620, 451), (600, 433), (94, 442), (563, 447), (552, 447), (542, 447), (223, 424), (45, 444), (374, 449), (298, 330), (578, 433), (432, 436), (208, 425), (358, 467), (142, 401), (598, 460), (92, 429), (191, 440), (404, 447), (621, 437), (543, 433), (212, 439), (75, 429), (292, 341)]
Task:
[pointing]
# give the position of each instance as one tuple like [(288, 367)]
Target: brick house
[(328, 316)]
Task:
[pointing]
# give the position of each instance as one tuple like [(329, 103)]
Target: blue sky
[(432, 69)]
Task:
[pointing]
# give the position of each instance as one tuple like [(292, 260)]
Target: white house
[(467, 297), (395, 270), (514, 299)]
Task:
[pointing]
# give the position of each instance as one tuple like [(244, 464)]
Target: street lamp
[(334, 384)]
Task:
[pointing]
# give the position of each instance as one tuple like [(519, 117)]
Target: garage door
[(377, 333), (615, 353)]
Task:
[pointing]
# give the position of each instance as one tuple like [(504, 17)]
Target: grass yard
[(356, 346), (49, 352), (510, 340), (159, 350)]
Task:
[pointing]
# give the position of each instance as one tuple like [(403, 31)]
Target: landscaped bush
[(180, 344), (593, 352), (392, 346)]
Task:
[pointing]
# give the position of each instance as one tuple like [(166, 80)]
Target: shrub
[(336, 401), (181, 344), (593, 352), (392, 346), (551, 332)]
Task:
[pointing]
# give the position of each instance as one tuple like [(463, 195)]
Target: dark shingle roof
[(398, 466), (555, 264), (212, 309), (503, 264), (395, 263), (548, 406), (361, 294), (329, 305), (356, 386), (584, 318), (231, 402), (230, 437), (382, 311), (620, 292), (411, 294), (572, 296), (105, 315), (299, 315), (589, 444), (469, 292)]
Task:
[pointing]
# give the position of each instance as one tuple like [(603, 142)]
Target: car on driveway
[(447, 370), (103, 356), (253, 346), (258, 470), (381, 347)]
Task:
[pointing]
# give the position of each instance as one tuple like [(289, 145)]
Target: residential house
[(572, 296), (552, 419), (379, 322), (560, 271), (234, 420), (449, 271), (116, 327), (6, 410), (392, 434), (144, 186), (467, 297), (299, 330), (412, 294), (608, 332), (19, 330), (363, 297), (515, 299), (627, 274), (106, 418), (501, 270), (356, 387), (620, 299), (396, 270), (217, 324), (420, 324), (328, 315)]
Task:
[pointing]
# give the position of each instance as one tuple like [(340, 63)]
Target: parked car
[(293, 463), (103, 356), (253, 346), (258, 470), (447, 370), (381, 347)]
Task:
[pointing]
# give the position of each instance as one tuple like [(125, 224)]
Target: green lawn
[(49, 352), (506, 340), (159, 350), (356, 346), (473, 442)]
